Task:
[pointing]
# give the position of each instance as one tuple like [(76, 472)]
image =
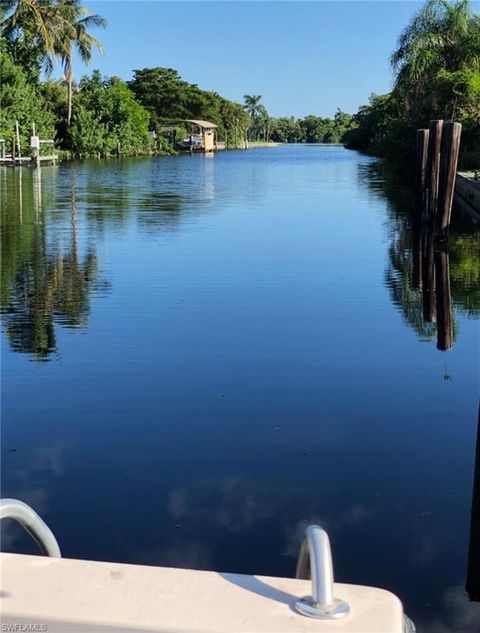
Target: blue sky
[(302, 57)]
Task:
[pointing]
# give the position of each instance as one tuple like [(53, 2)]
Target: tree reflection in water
[(41, 284), (47, 279), (428, 279)]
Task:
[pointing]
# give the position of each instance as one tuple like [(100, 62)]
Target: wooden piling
[(443, 301), (428, 279), (433, 167), (448, 169), (421, 165), (17, 129)]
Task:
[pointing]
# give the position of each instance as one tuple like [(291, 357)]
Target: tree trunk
[(69, 113), (69, 78)]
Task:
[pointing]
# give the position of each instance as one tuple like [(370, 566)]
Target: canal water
[(201, 355)]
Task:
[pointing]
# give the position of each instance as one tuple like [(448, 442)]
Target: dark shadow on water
[(473, 572)]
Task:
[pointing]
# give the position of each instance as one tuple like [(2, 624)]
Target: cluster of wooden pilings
[(436, 168), (431, 275)]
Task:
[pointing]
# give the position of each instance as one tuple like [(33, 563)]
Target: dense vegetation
[(166, 97), (437, 64), (98, 116), (312, 129)]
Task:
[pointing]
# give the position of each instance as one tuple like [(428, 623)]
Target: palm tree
[(76, 20), (34, 22), (252, 105), (443, 35), (264, 122), (56, 27)]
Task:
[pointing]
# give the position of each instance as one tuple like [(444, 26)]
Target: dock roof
[(202, 124)]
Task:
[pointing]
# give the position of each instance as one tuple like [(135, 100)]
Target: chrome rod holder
[(315, 562), (32, 523)]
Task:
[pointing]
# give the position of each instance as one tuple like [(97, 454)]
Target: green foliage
[(259, 117), (31, 28), (88, 135), (437, 61), (110, 115), (286, 130), (312, 129), (168, 97), (437, 64), (107, 117), (20, 101), (26, 54), (375, 123), (235, 123), (465, 272)]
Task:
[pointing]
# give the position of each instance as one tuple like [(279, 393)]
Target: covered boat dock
[(202, 136)]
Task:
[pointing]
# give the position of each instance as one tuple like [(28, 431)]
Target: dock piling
[(448, 168), (421, 161), (433, 166), (437, 153), (17, 130)]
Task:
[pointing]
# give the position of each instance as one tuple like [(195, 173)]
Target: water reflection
[(43, 282), (430, 277), (49, 274), (455, 615), (427, 278), (31, 480), (224, 376), (473, 572)]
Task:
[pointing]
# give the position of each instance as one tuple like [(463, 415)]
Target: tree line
[(436, 61), (96, 116), (437, 76)]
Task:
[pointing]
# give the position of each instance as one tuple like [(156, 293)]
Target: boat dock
[(34, 157)]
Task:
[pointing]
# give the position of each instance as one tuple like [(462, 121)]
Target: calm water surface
[(201, 355)]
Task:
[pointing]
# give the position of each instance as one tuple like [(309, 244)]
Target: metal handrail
[(33, 524), (315, 562)]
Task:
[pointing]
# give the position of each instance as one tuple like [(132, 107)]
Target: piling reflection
[(429, 277), (418, 277), (435, 287)]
